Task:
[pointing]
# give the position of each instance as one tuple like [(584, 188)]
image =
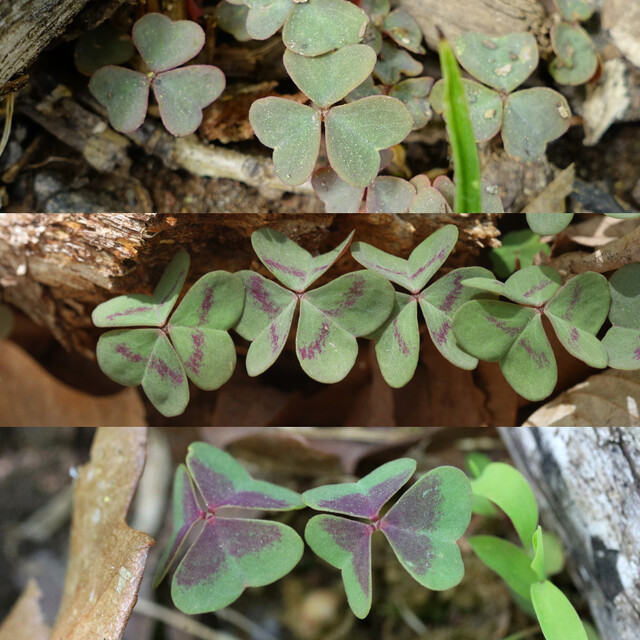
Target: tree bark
[(57, 267), (587, 481)]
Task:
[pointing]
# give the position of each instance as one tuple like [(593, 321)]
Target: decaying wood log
[(57, 267), (588, 486)]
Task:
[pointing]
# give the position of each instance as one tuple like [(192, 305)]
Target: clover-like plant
[(622, 341), (576, 59), (422, 526), (526, 569), (181, 92), (193, 343), (397, 341), (512, 333), (230, 553), (517, 251), (552, 223), (529, 118), (101, 46), (6, 321), (354, 132), (331, 316)]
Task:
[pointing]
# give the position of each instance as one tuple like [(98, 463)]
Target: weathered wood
[(57, 267), (587, 481)]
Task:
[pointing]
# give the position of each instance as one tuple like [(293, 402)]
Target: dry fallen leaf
[(24, 621), (30, 396), (107, 558), (597, 230), (608, 399)]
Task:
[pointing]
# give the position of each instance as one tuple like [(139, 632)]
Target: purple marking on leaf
[(124, 351), (440, 336), (195, 361), (275, 338), (244, 537), (218, 491), (310, 351), (284, 268), (203, 560), (407, 522), (258, 292), (636, 353), (575, 298), (438, 257), (175, 284), (540, 359), (452, 296), (165, 371), (206, 305), (129, 312), (574, 335), (356, 290), (501, 324), (539, 287), (379, 267), (401, 343), (354, 537), (323, 267)]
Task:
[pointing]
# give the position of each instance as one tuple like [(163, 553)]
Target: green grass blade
[(468, 198)]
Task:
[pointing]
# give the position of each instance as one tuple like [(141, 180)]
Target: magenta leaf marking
[(401, 343), (441, 256), (205, 307), (573, 336), (540, 359), (452, 296), (440, 337), (314, 349), (124, 351), (165, 371), (195, 361), (502, 325), (259, 293), (356, 290), (203, 560), (575, 298), (636, 353), (284, 268), (539, 287), (129, 312), (181, 275), (354, 537), (275, 338)]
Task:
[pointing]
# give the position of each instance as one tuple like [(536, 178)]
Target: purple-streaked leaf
[(398, 342), (186, 513), (346, 545), (338, 196), (230, 555), (294, 266), (531, 286), (143, 310), (198, 328), (440, 301), (331, 318), (414, 273), (423, 526), (124, 93), (165, 44), (183, 93), (123, 354), (223, 482), (365, 498), (265, 321)]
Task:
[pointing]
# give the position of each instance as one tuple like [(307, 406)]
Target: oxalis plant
[(230, 553)]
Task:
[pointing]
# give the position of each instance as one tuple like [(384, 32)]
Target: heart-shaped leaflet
[(229, 554)]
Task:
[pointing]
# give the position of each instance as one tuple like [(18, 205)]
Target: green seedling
[(576, 59), (331, 316), (181, 92), (310, 28), (466, 164), (100, 47), (512, 333), (397, 341), (354, 133), (160, 350), (6, 321), (529, 118), (230, 553), (525, 569), (518, 250), (622, 341), (549, 223), (422, 526)]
